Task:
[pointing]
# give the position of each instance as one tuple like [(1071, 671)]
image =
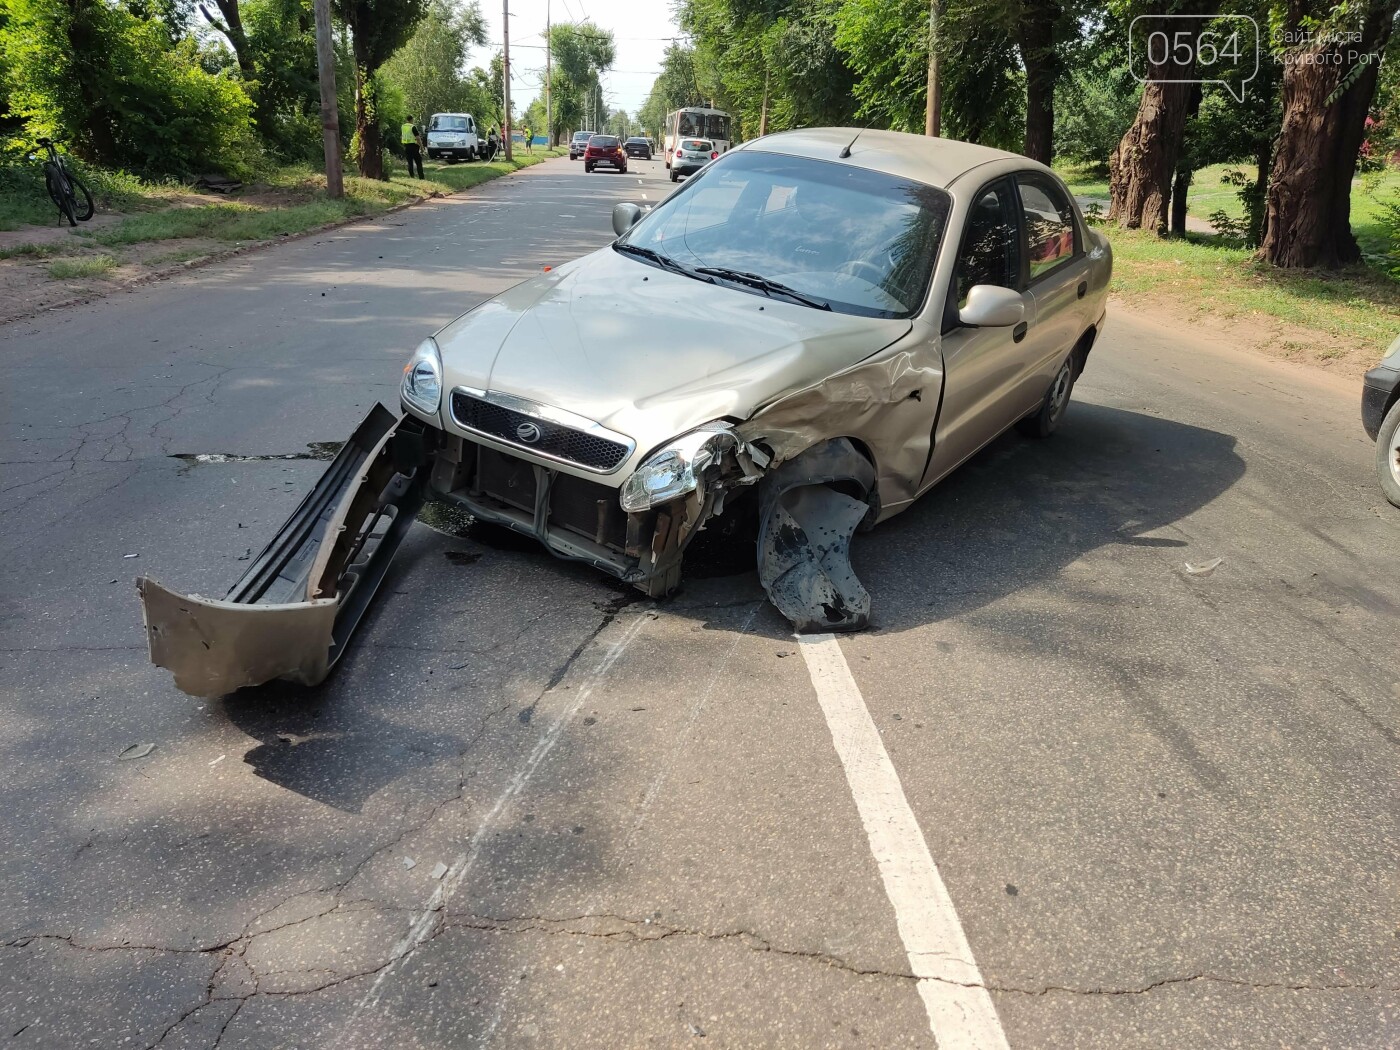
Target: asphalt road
[(1164, 805)]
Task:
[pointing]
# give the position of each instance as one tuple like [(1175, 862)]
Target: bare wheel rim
[(1059, 392), (1394, 457)]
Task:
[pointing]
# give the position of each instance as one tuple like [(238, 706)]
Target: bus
[(699, 123)]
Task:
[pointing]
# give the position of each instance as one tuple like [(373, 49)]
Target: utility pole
[(330, 112), (548, 76), (934, 105), (505, 72)]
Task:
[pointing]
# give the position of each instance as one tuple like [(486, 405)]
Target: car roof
[(934, 161)]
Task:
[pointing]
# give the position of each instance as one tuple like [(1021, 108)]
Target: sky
[(641, 28)]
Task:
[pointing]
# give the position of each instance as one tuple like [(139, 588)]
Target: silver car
[(809, 335)]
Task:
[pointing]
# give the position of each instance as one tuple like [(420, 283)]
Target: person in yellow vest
[(412, 139)]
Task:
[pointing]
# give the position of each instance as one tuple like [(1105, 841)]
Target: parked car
[(1380, 415), (579, 144), (453, 137), (605, 151), (691, 155), (874, 313), (638, 147)]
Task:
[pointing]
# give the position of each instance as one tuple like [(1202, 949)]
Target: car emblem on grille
[(528, 433)]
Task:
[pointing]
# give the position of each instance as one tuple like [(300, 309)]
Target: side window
[(989, 254), (1049, 222)]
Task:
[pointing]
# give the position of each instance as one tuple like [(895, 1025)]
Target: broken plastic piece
[(806, 523), (136, 751), (408, 863), (1205, 568), (439, 870), (292, 613)]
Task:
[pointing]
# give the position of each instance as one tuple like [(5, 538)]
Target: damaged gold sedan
[(815, 330)]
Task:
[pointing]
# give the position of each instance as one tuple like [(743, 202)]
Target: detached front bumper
[(292, 613), (1377, 395)]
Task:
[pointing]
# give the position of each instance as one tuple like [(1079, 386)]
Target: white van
[(452, 136)]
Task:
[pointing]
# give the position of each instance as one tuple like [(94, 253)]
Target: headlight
[(422, 379), (671, 471)]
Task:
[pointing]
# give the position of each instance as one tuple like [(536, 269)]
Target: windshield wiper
[(763, 284), (663, 261)]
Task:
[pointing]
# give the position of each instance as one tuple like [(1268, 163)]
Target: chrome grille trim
[(558, 419)]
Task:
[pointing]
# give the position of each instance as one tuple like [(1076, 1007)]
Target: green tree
[(378, 28), (114, 86), (428, 69)]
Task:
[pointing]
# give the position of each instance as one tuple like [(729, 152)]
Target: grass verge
[(1360, 305), (294, 200), (82, 266)]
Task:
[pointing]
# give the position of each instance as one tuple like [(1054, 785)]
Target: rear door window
[(1050, 238)]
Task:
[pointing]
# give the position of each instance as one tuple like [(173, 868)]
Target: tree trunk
[(1180, 186), (1263, 163), (369, 152), (1140, 170), (238, 38), (1037, 43), (1307, 218)]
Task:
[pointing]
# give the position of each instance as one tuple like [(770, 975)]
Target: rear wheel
[(1047, 418), (1388, 454), (82, 199), (674, 176), (588, 167)]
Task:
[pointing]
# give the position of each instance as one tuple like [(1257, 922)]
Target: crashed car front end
[(558, 477)]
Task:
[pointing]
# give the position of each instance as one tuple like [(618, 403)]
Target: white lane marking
[(423, 925), (960, 1012)]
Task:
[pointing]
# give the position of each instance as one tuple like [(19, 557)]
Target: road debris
[(439, 870), (217, 761), (136, 751), (1205, 568), (408, 863)]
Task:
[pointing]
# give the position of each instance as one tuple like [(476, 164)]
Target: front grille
[(555, 441)]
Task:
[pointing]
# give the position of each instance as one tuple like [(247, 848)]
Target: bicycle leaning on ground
[(72, 197)]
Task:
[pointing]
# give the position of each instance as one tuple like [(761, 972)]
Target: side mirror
[(991, 306), (624, 217)]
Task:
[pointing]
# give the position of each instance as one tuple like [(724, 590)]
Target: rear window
[(697, 144), (581, 136), (603, 141)]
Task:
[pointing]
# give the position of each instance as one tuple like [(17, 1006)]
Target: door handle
[(1083, 287), (1019, 332)]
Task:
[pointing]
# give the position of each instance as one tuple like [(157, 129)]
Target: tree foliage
[(427, 70), (113, 85)]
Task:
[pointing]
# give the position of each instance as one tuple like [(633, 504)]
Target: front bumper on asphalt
[(1378, 393)]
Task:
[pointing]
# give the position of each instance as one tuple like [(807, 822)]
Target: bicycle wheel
[(61, 193), (82, 199)]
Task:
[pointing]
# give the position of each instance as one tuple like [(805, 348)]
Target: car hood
[(648, 353)]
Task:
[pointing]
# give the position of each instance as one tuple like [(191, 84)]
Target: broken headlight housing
[(422, 379), (671, 472)]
